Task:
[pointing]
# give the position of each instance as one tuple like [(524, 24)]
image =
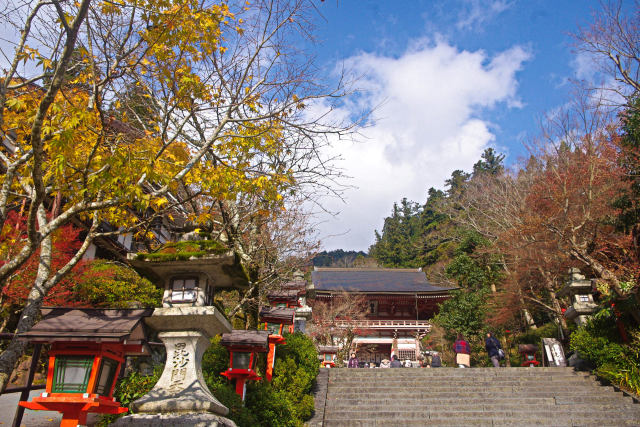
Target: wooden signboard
[(553, 354)]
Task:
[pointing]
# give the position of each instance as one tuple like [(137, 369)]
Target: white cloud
[(428, 123), (474, 13)]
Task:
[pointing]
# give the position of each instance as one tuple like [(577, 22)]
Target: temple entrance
[(375, 349), (373, 353)]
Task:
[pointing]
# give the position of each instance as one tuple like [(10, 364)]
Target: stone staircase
[(477, 396)]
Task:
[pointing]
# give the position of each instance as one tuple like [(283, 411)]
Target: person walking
[(492, 345), (353, 361), (463, 352)]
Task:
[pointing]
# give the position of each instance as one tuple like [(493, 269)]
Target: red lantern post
[(274, 319), (88, 350), (328, 355), (243, 346), (528, 352)]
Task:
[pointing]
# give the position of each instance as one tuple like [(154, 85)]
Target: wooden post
[(24, 395)]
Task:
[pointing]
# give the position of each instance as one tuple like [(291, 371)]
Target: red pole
[(239, 388), (271, 359), (74, 417)]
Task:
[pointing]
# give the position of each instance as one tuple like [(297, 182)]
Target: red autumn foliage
[(65, 244)]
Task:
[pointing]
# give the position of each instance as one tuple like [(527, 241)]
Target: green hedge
[(614, 361)]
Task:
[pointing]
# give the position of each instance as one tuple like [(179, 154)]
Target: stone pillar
[(181, 396)]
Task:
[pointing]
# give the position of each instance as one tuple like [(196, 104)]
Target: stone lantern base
[(181, 396), (175, 420)]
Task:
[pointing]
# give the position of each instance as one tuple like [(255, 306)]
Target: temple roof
[(383, 280)]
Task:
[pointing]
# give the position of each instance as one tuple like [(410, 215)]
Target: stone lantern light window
[(583, 298), (184, 289)]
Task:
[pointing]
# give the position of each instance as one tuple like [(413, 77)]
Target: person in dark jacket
[(492, 345), (353, 361), (436, 362), (395, 363)]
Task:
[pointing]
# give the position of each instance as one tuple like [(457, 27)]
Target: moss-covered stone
[(181, 251)]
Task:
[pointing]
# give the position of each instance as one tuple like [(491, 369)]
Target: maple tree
[(335, 322), (125, 111)]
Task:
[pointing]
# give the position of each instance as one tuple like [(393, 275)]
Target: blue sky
[(450, 79)]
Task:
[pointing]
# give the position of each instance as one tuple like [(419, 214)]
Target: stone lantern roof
[(209, 257), (577, 284)]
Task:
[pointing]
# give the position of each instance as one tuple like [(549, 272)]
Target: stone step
[(474, 382), (511, 421), (426, 389), (338, 377), (411, 414), (458, 371), (503, 403), (450, 395), (477, 396)]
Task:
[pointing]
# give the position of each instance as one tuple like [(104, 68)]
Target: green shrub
[(286, 401), (616, 362), (130, 388), (108, 284)]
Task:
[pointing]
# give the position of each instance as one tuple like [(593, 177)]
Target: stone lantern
[(189, 272), (275, 319), (243, 346), (580, 292), (88, 347)]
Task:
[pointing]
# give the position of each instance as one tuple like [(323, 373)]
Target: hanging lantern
[(243, 347)]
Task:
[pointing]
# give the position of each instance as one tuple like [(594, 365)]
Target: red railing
[(384, 324)]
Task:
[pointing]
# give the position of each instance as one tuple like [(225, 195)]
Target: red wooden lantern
[(243, 346), (287, 298), (528, 352), (327, 353), (274, 319), (88, 350)]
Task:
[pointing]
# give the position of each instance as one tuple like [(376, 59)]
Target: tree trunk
[(549, 285), (528, 318), (10, 357)]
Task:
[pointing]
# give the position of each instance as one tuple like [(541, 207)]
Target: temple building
[(399, 304)]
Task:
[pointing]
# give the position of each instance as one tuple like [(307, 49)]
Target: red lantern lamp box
[(528, 352), (327, 355), (88, 348), (243, 346)]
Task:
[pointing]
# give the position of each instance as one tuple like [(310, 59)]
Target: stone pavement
[(9, 402)]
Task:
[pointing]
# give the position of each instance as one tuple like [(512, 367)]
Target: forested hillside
[(340, 258)]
